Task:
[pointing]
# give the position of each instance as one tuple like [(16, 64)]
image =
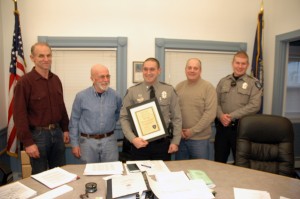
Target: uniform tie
[(152, 92)]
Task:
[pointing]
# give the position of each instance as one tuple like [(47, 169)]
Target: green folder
[(199, 174)]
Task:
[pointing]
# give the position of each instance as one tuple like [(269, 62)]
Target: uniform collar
[(155, 85), (243, 77)]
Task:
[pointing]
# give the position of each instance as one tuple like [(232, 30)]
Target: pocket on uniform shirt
[(224, 92), (164, 106), (244, 95)]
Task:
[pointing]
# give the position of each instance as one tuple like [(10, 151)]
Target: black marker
[(146, 166)]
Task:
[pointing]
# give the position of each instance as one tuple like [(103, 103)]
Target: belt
[(48, 127), (97, 136)]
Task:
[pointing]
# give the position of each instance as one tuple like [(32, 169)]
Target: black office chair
[(6, 175), (266, 143)]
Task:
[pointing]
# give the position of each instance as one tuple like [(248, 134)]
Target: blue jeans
[(52, 150), (193, 149), (99, 150)]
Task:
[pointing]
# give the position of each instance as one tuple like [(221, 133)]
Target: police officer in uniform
[(167, 98), (238, 95)]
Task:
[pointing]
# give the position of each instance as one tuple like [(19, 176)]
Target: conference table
[(225, 176)]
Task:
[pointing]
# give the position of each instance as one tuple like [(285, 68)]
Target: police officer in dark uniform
[(238, 95), (167, 98)]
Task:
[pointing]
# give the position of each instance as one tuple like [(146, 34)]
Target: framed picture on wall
[(137, 75)]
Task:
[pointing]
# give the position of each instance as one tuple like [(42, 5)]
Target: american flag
[(16, 70)]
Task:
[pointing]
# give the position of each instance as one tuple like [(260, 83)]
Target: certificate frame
[(147, 121)]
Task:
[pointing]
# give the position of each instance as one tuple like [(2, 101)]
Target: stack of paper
[(16, 190), (127, 185), (54, 193), (54, 177), (106, 168), (177, 185)]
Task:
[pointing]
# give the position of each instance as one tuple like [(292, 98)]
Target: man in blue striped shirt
[(93, 119)]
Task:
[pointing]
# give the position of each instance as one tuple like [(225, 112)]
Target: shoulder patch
[(164, 83), (250, 76), (258, 85), (137, 84)]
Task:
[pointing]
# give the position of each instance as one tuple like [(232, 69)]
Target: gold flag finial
[(262, 6), (16, 6)]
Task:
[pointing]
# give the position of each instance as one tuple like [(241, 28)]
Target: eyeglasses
[(104, 76)]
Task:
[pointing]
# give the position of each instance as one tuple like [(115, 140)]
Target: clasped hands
[(225, 119), (140, 143)]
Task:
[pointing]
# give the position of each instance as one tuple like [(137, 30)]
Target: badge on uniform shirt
[(164, 94), (245, 85), (258, 85), (140, 98)]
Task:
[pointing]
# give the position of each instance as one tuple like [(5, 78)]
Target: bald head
[(97, 69), (100, 77)]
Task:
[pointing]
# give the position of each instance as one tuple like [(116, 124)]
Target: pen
[(145, 166)]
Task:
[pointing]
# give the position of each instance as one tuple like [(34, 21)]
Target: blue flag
[(257, 70)]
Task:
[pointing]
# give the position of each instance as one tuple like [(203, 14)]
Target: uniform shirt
[(168, 102), (242, 99), (198, 103), (38, 102), (92, 114)]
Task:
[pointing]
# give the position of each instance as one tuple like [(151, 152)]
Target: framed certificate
[(147, 121)]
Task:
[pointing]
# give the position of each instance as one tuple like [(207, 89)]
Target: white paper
[(55, 192), (179, 186), (240, 193), (150, 166), (105, 168), (55, 177), (128, 184), (172, 176), (16, 190)]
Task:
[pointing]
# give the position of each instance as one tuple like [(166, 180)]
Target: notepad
[(105, 168), (150, 166)]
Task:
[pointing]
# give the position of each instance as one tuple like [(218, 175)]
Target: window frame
[(120, 43), (161, 44), (280, 70)]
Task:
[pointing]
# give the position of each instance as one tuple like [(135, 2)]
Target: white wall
[(143, 21)]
